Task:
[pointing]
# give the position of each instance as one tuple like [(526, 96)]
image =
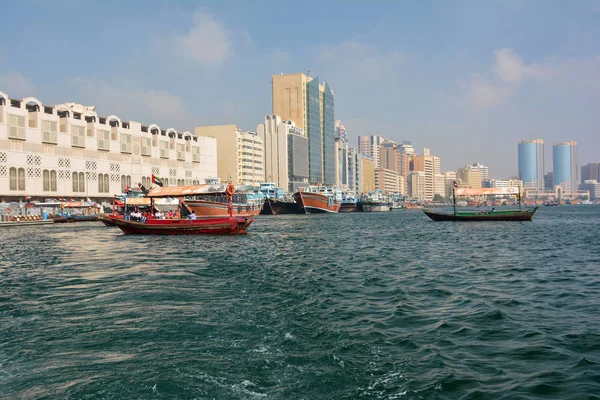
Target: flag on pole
[(156, 180)]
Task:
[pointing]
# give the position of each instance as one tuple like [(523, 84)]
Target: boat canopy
[(137, 201), (484, 191), (180, 191)]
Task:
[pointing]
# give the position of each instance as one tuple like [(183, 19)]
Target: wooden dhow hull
[(200, 226), (218, 209), (503, 215), (278, 207), (376, 207), (348, 207), (311, 203)]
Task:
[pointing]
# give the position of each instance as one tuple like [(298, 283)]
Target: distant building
[(565, 169), (593, 187), (469, 176), (239, 154), (367, 173), (341, 154), (449, 178), (590, 172), (303, 99), (483, 169), (355, 183), (387, 180), (439, 185), (549, 181), (370, 145), (285, 154), (389, 156), (68, 150), (531, 164), (416, 185)]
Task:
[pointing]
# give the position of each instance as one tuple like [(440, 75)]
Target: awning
[(180, 191)]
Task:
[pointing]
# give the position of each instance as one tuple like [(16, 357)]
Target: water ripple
[(373, 306)]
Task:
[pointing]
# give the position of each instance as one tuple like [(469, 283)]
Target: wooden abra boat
[(492, 215), (183, 226), (204, 225), (496, 215)]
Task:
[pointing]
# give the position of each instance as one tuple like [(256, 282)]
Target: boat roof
[(475, 192), (178, 191)]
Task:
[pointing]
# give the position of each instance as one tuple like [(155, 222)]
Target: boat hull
[(375, 207), (109, 220), (508, 215), (201, 226), (348, 207), (277, 207), (313, 203), (213, 208)]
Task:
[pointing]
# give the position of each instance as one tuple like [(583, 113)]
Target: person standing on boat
[(192, 216)]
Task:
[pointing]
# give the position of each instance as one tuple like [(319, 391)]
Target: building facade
[(416, 185), (531, 163), (564, 166), (370, 145), (355, 183), (68, 150), (387, 180), (274, 134), (303, 99), (593, 187), (341, 158), (367, 173), (239, 154), (590, 172), (469, 176)]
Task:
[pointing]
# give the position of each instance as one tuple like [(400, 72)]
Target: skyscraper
[(531, 163), (310, 105), (369, 145), (590, 172), (564, 162)]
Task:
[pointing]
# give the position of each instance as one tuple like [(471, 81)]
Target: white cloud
[(509, 67), (146, 106), (207, 42), (16, 85), (484, 94)]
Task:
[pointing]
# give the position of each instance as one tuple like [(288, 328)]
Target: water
[(354, 306)]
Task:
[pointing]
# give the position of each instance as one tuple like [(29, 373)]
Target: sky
[(466, 79)]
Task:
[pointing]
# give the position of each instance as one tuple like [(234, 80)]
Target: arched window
[(129, 180), (166, 182), (46, 176), (81, 182), (106, 185), (13, 178), (100, 183), (53, 181), (75, 182), (123, 183), (21, 178)]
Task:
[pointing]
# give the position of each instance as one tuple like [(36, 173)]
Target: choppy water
[(367, 306)]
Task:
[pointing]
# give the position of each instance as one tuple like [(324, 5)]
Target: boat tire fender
[(230, 189)]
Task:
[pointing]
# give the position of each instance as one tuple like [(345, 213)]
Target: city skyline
[(469, 98)]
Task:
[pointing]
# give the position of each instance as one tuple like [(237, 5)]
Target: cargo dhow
[(318, 199)]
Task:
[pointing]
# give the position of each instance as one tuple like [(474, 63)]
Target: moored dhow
[(211, 204), (349, 203), (318, 199)]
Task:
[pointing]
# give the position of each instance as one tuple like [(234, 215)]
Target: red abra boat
[(182, 226)]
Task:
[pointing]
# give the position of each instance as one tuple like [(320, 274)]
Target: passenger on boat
[(192, 216)]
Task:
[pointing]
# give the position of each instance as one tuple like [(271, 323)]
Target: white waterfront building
[(70, 151)]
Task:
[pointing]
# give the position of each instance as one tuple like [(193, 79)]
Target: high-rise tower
[(531, 164), (564, 162), (310, 105)]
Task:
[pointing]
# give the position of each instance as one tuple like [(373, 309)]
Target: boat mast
[(454, 197), (519, 197)]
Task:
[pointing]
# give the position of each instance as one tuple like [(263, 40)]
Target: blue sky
[(466, 79)]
